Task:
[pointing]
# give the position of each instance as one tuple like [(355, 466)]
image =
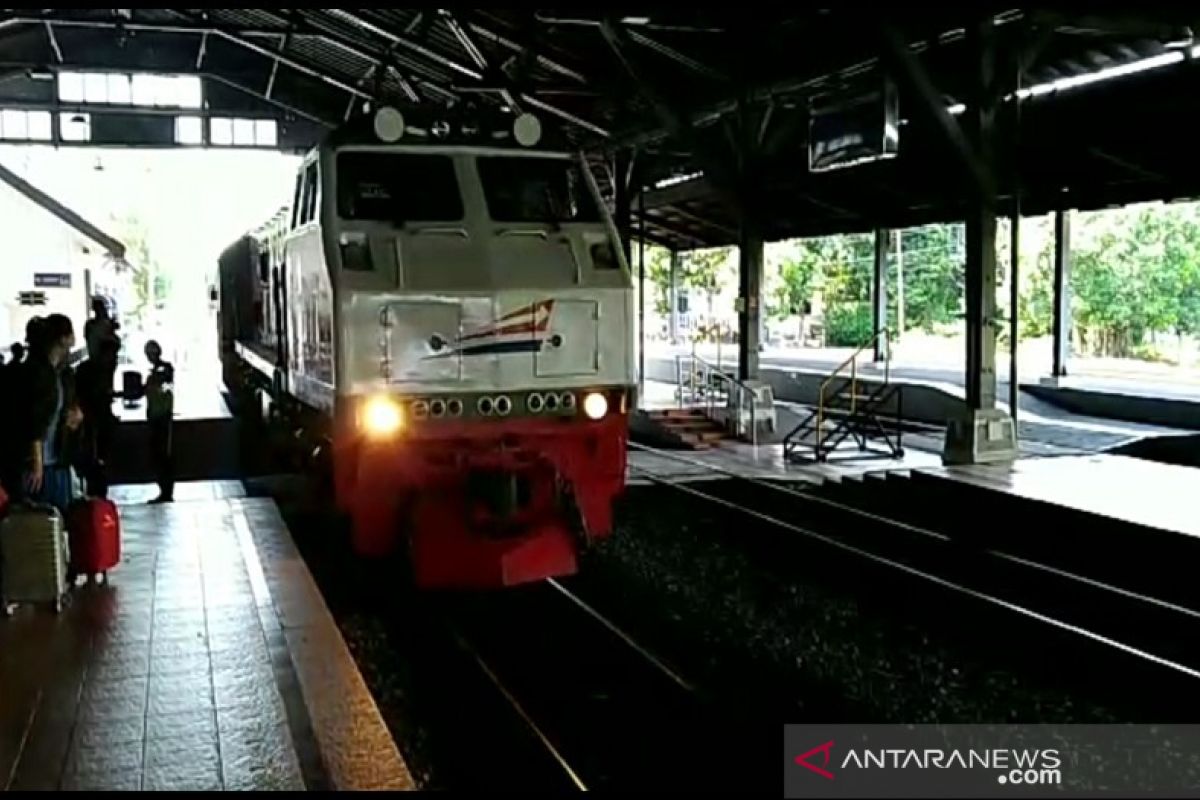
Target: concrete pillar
[(982, 433), (673, 298), (879, 294), (750, 268), (1062, 293)]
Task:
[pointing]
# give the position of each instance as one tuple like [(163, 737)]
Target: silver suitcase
[(33, 556)]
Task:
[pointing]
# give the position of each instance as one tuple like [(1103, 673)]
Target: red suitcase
[(95, 535)]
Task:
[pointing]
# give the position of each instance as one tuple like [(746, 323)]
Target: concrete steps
[(689, 427)]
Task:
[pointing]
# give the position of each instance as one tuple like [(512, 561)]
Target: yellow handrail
[(851, 362)]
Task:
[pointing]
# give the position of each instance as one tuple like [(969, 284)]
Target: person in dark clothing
[(49, 414), (12, 395), (94, 388), (160, 412)]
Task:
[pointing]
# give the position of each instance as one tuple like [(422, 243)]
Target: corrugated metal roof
[(689, 61)]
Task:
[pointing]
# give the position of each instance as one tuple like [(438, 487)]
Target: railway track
[(608, 710), (1147, 634)]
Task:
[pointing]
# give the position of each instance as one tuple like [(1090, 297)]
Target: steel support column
[(980, 118), (879, 293), (1062, 293), (1014, 259), (750, 267), (982, 433), (641, 311), (673, 297)]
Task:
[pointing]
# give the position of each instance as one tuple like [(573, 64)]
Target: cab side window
[(296, 198), (308, 200)]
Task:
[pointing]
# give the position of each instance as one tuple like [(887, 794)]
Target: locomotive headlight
[(595, 405), (382, 417)]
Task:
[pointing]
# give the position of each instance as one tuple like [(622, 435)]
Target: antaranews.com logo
[(1028, 767), (889, 761)]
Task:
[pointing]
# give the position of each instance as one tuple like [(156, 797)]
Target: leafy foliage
[(1135, 277)]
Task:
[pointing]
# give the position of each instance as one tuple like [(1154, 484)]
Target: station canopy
[(674, 100)]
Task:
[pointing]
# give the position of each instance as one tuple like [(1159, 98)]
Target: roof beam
[(233, 84), (698, 220), (203, 27), (35, 195), (464, 39), (516, 46), (725, 181), (676, 56), (58, 54), (916, 79), (404, 41), (690, 236), (379, 60), (565, 115), (695, 189), (237, 38)]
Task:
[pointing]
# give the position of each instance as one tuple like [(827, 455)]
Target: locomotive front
[(483, 358)]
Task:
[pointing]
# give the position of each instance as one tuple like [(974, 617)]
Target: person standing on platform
[(93, 381), (160, 412), (13, 446), (50, 413), (99, 329)]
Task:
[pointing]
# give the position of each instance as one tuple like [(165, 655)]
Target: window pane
[(523, 189), (95, 87), (243, 131), (70, 87), (397, 188), (118, 88), (188, 92), (75, 127), (189, 130), (39, 125), (143, 90), (220, 130), (265, 133), (13, 122)]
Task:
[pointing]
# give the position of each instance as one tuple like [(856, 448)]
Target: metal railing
[(824, 396), (701, 384)]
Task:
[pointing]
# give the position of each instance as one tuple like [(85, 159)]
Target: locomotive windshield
[(523, 189), (396, 187)]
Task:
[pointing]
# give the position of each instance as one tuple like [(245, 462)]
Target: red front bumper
[(417, 485)]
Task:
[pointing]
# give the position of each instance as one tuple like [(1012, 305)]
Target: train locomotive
[(445, 313)]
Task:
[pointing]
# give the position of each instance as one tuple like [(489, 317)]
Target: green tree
[(798, 276), (150, 284), (1126, 277), (658, 272), (934, 275), (705, 270)]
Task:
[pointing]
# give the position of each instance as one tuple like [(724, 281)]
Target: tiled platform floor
[(209, 662)]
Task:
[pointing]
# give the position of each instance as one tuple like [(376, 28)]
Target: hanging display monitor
[(855, 130)]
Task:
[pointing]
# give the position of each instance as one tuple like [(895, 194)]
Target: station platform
[(763, 462), (209, 661), (1132, 490)]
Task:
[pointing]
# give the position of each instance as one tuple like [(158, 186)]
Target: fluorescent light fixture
[(957, 108), (1181, 39), (635, 20), (674, 179)]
